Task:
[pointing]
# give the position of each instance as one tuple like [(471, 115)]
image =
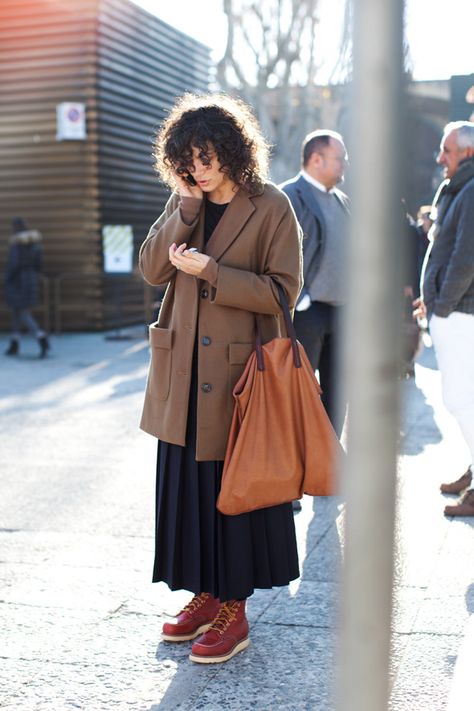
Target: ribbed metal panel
[(127, 67)]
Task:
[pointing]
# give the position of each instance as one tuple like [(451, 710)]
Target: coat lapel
[(231, 224), (308, 198), (197, 238)]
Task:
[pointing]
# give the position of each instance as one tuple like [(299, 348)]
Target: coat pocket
[(161, 341), (239, 353)]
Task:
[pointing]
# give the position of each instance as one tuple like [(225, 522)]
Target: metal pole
[(371, 357)]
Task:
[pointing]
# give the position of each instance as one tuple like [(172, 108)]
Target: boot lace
[(227, 614), (194, 604)]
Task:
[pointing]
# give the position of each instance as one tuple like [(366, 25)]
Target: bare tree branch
[(271, 60)]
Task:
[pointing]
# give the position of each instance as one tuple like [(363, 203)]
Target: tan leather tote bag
[(281, 443)]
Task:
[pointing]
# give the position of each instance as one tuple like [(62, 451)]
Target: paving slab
[(425, 673), (300, 676), (80, 619)]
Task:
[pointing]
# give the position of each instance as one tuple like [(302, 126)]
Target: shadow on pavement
[(427, 356), (86, 371), (470, 598), (418, 426)]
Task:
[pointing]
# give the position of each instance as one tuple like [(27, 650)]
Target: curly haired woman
[(222, 241)]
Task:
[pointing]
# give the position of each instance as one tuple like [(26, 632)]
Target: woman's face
[(206, 170)]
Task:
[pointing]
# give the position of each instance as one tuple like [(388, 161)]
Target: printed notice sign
[(117, 243), (70, 121)]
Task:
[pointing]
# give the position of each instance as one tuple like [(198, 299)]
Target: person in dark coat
[(447, 298), (423, 226), (24, 264), (411, 332)]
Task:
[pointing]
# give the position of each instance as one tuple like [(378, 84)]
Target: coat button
[(204, 293), (206, 387), (206, 341)]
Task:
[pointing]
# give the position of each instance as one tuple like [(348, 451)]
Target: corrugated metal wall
[(127, 67), (143, 65)]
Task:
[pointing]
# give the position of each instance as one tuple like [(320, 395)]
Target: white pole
[(371, 356)]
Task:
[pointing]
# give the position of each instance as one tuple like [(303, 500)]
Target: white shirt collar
[(309, 178)]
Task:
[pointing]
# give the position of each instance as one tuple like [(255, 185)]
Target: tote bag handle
[(290, 330)]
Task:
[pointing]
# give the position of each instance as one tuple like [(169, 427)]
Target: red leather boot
[(227, 635), (193, 620)]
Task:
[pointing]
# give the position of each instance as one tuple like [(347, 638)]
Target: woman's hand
[(192, 263), (185, 189)]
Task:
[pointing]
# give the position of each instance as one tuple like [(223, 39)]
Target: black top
[(213, 213)]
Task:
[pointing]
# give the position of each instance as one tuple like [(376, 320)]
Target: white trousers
[(453, 341)]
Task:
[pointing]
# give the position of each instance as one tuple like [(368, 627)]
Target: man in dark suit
[(323, 213)]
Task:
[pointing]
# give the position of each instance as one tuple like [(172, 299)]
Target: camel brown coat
[(257, 239)]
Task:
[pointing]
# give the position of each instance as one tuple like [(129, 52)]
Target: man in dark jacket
[(323, 212), (24, 263), (448, 292)]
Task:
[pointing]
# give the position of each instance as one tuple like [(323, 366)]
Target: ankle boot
[(458, 486), (193, 620), (44, 346), (14, 348), (227, 635)]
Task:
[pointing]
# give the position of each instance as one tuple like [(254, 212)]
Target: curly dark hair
[(213, 121)]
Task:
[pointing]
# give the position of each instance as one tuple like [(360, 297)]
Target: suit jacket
[(311, 219), (257, 240)]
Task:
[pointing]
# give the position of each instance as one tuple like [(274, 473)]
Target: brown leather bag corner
[(281, 443)]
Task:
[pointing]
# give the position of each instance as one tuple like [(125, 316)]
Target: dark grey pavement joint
[(80, 619)]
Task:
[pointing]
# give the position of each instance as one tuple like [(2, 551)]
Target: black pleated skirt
[(201, 550)]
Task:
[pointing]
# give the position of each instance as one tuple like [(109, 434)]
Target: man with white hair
[(447, 283)]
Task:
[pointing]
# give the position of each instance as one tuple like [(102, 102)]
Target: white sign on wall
[(71, 121), (117, 244)]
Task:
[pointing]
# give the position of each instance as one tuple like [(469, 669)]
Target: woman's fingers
[(185, 188), (174, 252), (190, 262)]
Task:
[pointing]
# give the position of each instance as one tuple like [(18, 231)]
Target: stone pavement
[(80, 620)]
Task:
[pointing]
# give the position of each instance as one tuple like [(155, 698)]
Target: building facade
[(125, 67)]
